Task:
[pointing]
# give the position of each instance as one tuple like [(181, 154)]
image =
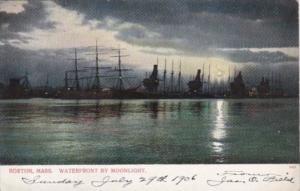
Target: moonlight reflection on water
[(219, 132), (47, 131)]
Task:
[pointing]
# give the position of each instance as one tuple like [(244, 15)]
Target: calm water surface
[(47, 131)]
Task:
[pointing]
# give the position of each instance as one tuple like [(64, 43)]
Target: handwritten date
[(226, 177)]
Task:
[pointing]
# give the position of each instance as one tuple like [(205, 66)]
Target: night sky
[(255, 36)]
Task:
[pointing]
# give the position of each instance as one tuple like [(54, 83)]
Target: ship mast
[(234, 71), (228, 83), (172, 76), (120, 82), (179, 77), (120, 79), (202, 72), (96, 77), (76, 72), (228, 74), (97, 68), (203, 77), (119, 69), (26, 82), (208, 80), (165, 75)]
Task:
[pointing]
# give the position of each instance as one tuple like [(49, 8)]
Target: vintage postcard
[(149, 95)]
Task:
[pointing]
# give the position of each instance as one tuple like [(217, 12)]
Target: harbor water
[(174, 131)]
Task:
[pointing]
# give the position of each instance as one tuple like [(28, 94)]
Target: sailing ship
[(97, 90)]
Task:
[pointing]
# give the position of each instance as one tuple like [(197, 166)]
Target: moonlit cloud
[(12, 6)]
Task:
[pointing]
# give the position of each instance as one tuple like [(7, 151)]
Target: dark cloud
[(34, 16), (197, 24), (285, 10), (176, 11)]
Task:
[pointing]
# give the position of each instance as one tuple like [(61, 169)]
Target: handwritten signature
[(241, 177)]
